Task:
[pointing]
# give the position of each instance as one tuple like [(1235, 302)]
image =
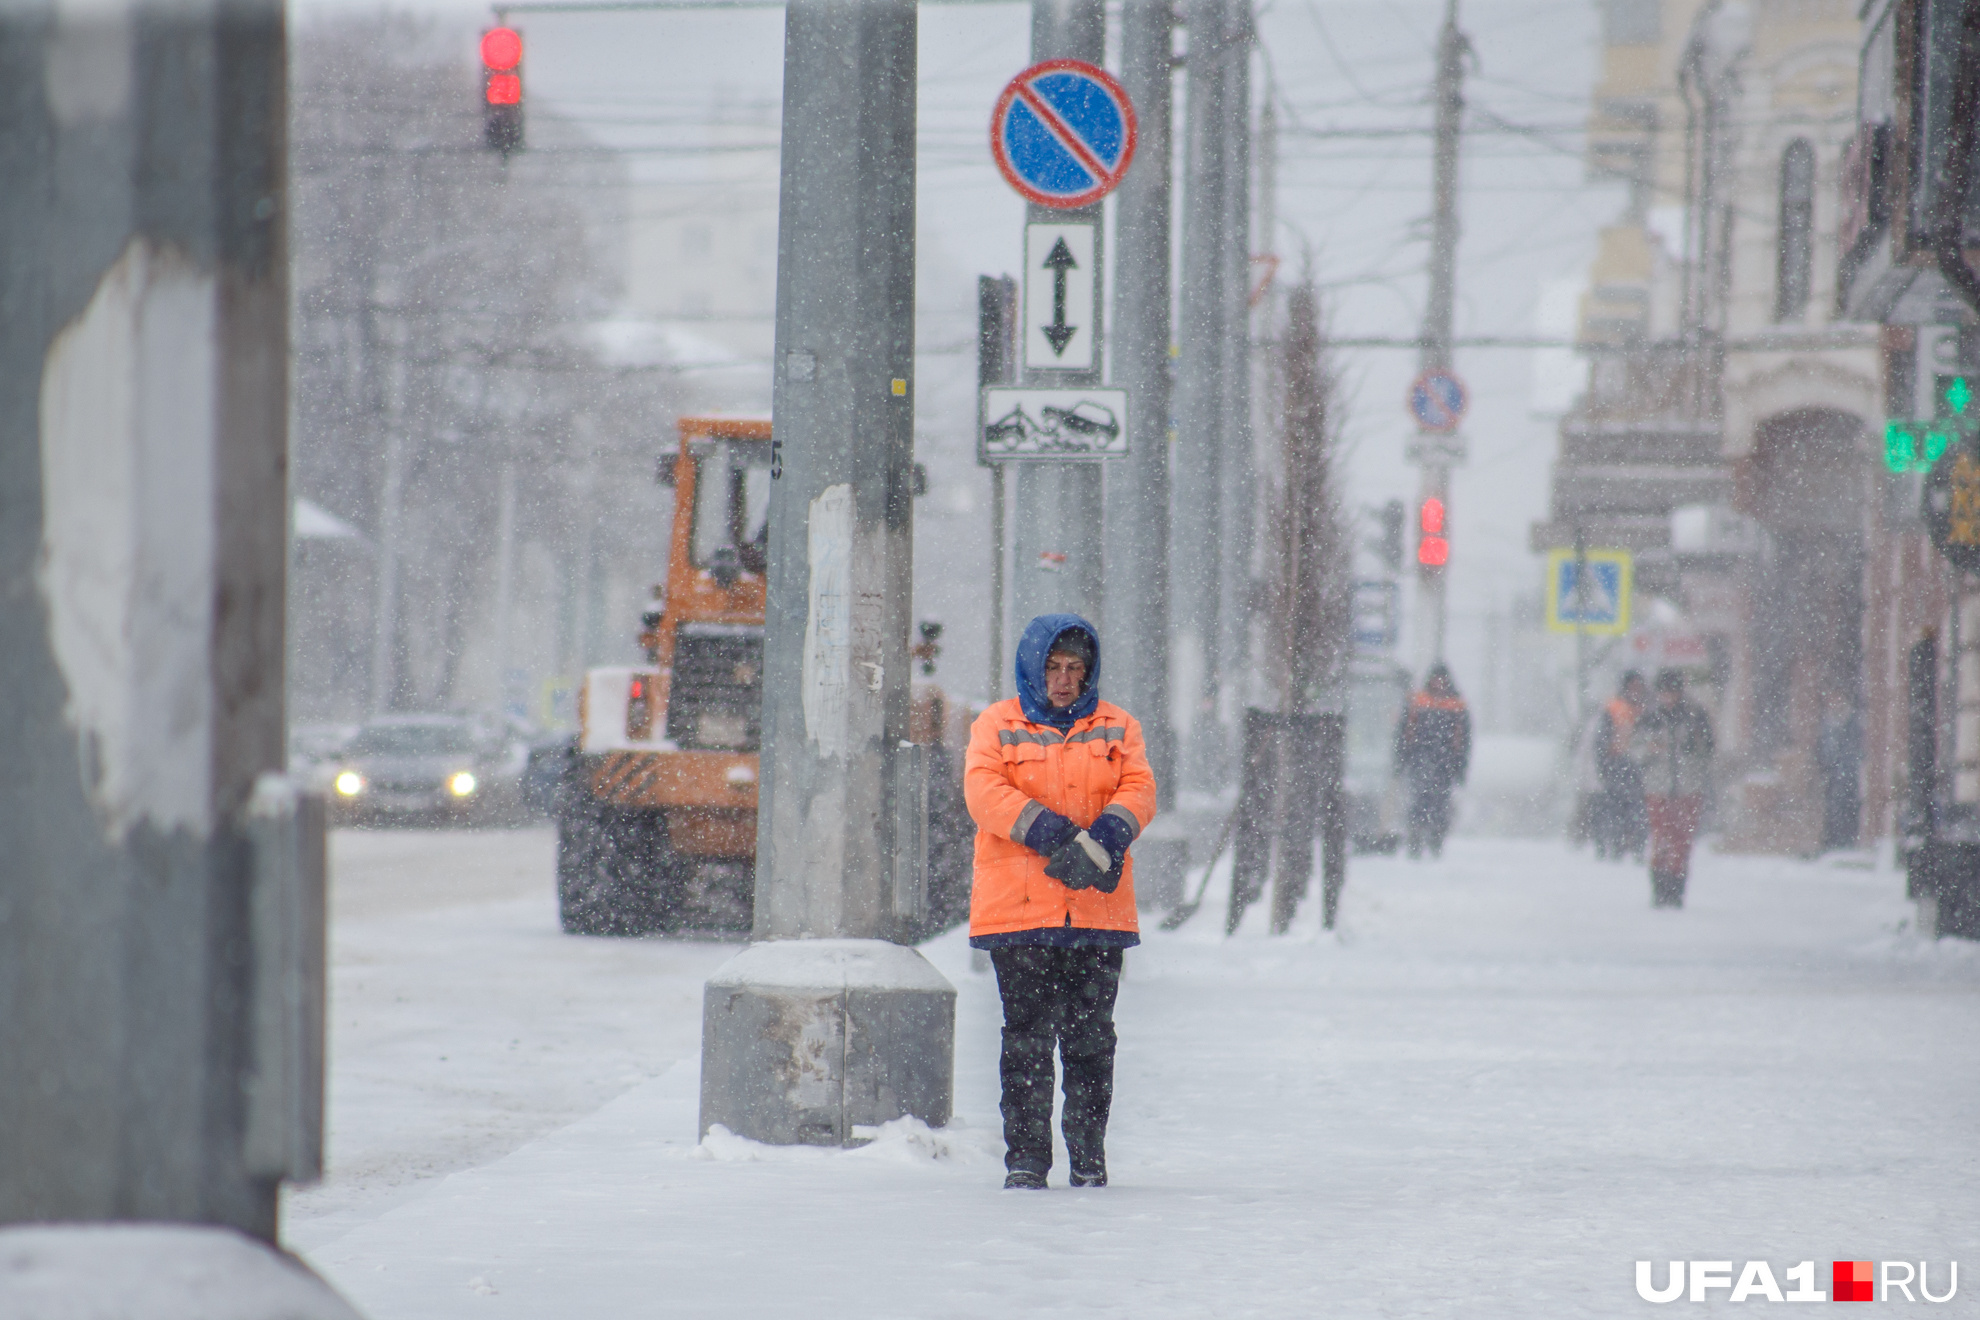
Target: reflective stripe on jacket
[(1014, 770)]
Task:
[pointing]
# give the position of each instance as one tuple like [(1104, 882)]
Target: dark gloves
[(1114, 834), (1084, 864), (1090, 858), (1049, 833)]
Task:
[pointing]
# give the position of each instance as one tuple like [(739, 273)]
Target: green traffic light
[(1958, 395), (1898, 447), (1914, 446)]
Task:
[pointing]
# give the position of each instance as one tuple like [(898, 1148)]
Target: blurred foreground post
[(161, 894), (824, 1027)]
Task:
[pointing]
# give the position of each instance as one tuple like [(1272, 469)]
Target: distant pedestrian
[(1058, 784), (1674, 749), (1620, 823), (1433, 755)]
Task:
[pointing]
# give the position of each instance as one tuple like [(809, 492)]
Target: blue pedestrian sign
[(1437, 400), (1063, 134), (1597, 606)]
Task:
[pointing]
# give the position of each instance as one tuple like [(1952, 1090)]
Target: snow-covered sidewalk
[(1501, 1083)]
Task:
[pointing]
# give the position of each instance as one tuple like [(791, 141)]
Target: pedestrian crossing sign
[(1588, 593)]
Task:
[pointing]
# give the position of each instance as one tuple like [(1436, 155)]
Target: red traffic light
[(501, 49), (501, 90), (1432, 549)]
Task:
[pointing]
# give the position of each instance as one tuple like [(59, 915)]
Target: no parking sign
[(1438, 399), (1063, 134)]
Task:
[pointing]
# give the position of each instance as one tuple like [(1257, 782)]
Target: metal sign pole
[(1437, 316), (1058, 514), (1580, 629)]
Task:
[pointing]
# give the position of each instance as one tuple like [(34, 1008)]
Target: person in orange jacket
[(1433, 753), (1058, 784)]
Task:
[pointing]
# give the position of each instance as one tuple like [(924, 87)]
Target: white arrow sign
[(1061, 294)]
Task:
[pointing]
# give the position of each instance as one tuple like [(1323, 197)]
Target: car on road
[(424, 769)]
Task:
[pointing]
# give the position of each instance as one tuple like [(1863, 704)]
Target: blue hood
[(1032, 649)]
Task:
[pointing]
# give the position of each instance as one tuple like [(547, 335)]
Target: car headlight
[(461, 785), (349, 783)]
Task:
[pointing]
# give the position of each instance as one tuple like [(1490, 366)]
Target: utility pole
[(385, 677), (1138, 486), (161, 909), (1238, 490), (1452, 47), (1060, 552), (1201, 400), (823, 1025), (505, 578), (996, 364)]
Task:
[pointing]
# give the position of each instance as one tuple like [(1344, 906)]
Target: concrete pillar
[(1138, 485), (1238, 487), (822, 1026), (1201, 398)]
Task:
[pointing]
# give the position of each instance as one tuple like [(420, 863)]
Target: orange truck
[(656, 815)]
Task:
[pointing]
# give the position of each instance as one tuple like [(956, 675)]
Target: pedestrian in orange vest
[(1433, 753), (1058, 784)]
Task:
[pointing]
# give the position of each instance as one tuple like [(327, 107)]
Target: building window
[(1794, 247)]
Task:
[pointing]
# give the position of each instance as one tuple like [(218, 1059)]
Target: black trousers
[(1062, 997), (1429, 816)]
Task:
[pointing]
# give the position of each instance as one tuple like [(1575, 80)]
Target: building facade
[(1730, 432)]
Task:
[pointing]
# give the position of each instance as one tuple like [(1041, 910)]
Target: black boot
[(1666, 890)]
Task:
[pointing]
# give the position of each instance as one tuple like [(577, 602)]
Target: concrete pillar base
[(803, 1042), (1161, 865), (134, 1270)]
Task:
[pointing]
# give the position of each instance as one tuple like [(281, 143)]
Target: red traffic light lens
[(504, 89), (1432, 519), (1433, 552), (501, 50)]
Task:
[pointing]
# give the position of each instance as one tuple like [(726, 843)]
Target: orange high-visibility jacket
[(1016, 769)]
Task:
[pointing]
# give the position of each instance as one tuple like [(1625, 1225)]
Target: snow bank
[(905, 1140), (156, 1272)]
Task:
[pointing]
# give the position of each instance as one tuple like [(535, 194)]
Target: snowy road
[(1502, 1083)]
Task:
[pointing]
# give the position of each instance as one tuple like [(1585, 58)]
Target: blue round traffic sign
[(1437, 400), (1063, 133)]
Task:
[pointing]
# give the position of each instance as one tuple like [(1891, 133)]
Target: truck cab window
[(732, 504)]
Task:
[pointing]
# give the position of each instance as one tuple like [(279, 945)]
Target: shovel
[(1187, 910)]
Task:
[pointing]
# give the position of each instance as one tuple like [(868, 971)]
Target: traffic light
[(1391, 546), (1954, 398), (501, 89), (1915, 446), (1433, 547)]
